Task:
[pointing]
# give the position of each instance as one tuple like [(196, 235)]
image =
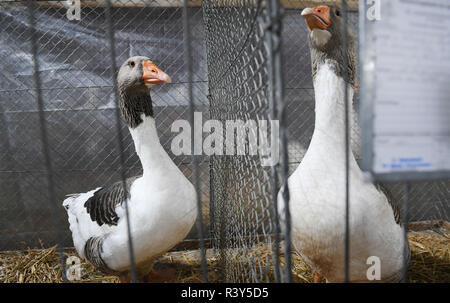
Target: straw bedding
[(430, 262)]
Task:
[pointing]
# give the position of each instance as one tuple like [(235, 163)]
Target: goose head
[(136, 76), (326, 40), (325, 25), (140, 73)]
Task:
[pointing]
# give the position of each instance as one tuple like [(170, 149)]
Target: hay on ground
[(430, 262)]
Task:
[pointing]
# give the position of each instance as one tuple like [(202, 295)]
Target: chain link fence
[(241, 188), (230, 79)]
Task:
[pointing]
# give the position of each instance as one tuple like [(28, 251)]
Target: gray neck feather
[(134, 103), (334, 53)]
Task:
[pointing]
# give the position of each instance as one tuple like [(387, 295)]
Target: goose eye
[(132, 63)]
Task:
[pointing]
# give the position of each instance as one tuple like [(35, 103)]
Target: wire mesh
[(237, 71), (229, 81)]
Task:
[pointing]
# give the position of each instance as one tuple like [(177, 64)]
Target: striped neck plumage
[(133, 103)]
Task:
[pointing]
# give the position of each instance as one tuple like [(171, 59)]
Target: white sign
[(411, 87)]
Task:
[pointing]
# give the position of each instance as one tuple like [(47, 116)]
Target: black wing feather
[(101, 206), (93, 252)]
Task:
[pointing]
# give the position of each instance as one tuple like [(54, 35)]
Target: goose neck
[(148, 147), (329, 91)]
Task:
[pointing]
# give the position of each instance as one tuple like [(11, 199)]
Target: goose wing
[(94, 215)]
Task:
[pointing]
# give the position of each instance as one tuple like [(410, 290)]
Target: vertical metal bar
[(44, 136), (212, 206), (188, 61), (283, 152), (109, 24), (276, 222), (273, 115), (347, 142), (276, 31), (405, 234), (212, 202), (366, 90)]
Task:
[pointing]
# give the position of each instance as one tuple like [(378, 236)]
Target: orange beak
[(151, 74), (317, 17)]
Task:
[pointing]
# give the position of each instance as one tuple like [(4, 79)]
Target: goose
[(317, 187), (161, 202)]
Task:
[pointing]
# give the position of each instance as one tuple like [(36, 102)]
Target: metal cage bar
[(120, 146), (276, 78), (347, 142), (44, 134), (188, 59), (275, 182)]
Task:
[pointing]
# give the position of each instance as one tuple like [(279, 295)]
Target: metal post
[(188, 61), (275, 182), (109, 23), (275, 28), (347, 143), (44, 135)]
